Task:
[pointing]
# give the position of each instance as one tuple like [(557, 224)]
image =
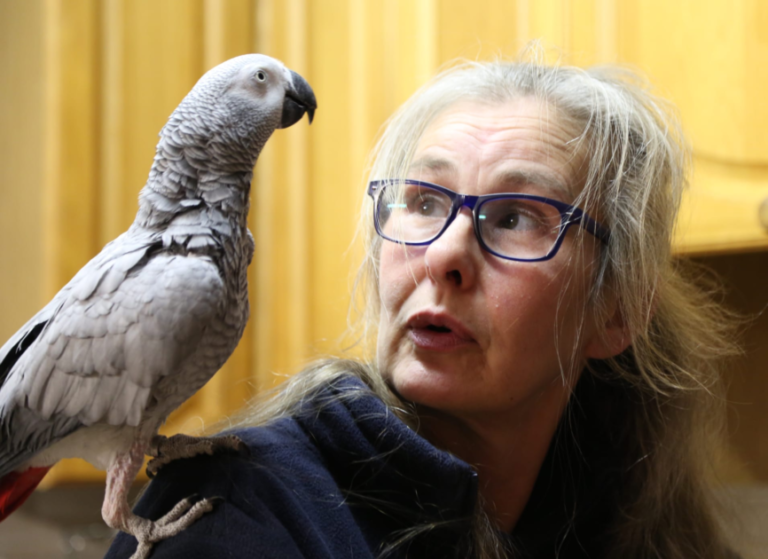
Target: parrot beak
[(299, 99)]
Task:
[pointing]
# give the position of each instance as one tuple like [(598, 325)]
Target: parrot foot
[(117, 512), (165, 450), (180, 517)]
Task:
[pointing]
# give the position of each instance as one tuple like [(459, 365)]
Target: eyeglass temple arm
[(592, 226)]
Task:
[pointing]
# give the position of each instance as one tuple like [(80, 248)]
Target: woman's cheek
[(399, 275), (389, 297)]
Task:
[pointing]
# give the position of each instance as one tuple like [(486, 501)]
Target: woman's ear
[(610, 338)]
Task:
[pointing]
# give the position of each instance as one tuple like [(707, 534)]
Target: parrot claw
[(165, 450), (185, 513)]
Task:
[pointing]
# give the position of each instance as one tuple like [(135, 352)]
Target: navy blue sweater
[(344, 478)]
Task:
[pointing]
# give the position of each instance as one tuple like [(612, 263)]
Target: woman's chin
[(435, 388)]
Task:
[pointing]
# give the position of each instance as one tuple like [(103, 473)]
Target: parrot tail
[(16, 487)]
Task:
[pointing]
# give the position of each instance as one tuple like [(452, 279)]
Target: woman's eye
[(426, 207), (515, 220), (421, 204), (518, 217), (430, 206), (510, 221)]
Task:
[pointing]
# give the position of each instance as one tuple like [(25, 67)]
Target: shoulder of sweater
[(277, 443)]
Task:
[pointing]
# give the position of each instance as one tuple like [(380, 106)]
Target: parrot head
[(235, 107), (264, 87)]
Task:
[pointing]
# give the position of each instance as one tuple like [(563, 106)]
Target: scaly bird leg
[(117, 512), (167, 449)]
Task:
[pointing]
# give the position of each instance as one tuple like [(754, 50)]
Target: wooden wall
[(87, 84)]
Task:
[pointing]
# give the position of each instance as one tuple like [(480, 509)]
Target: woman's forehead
[(516, 138), (501, 114)]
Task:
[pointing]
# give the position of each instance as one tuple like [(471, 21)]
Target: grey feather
[(56, 346), (30, 432)]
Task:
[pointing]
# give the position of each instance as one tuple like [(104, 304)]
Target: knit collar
[(378, 458)]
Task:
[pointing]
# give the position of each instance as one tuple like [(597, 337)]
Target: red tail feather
[(16, 487)]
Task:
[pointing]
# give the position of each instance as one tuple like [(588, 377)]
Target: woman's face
[(463, 331)]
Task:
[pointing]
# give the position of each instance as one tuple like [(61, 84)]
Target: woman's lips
[(438, 332)]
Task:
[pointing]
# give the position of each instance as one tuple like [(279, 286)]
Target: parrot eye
[(261, 76)]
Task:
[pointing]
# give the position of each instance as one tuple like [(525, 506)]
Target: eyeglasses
[(512, 226)]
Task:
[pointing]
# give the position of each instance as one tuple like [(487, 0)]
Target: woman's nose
[(452, 258)]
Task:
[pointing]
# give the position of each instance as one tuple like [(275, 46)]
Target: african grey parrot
[(152, 317)]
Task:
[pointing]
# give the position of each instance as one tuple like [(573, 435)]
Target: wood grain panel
[(499, 29), (721, 212), (712, 59), (332, 214), (22, 152), (72, 113)]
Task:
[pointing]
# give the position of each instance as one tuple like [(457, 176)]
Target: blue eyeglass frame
[(569, 215)]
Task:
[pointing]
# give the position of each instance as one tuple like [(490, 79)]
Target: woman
[(544, 381)]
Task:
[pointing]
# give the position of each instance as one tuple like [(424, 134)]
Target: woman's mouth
[(438, 332)]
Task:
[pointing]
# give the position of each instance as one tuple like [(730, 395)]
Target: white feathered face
[(264, 84), (256, 95)]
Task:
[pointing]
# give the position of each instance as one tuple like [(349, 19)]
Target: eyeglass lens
[(511, 227)]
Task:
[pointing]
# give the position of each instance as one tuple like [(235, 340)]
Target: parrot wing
[(92, 272), (127, 320)]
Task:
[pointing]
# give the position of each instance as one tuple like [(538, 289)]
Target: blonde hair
[(633, 180)]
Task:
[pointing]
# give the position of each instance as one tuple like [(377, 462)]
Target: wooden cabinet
[(99, 79), (711, 60)]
